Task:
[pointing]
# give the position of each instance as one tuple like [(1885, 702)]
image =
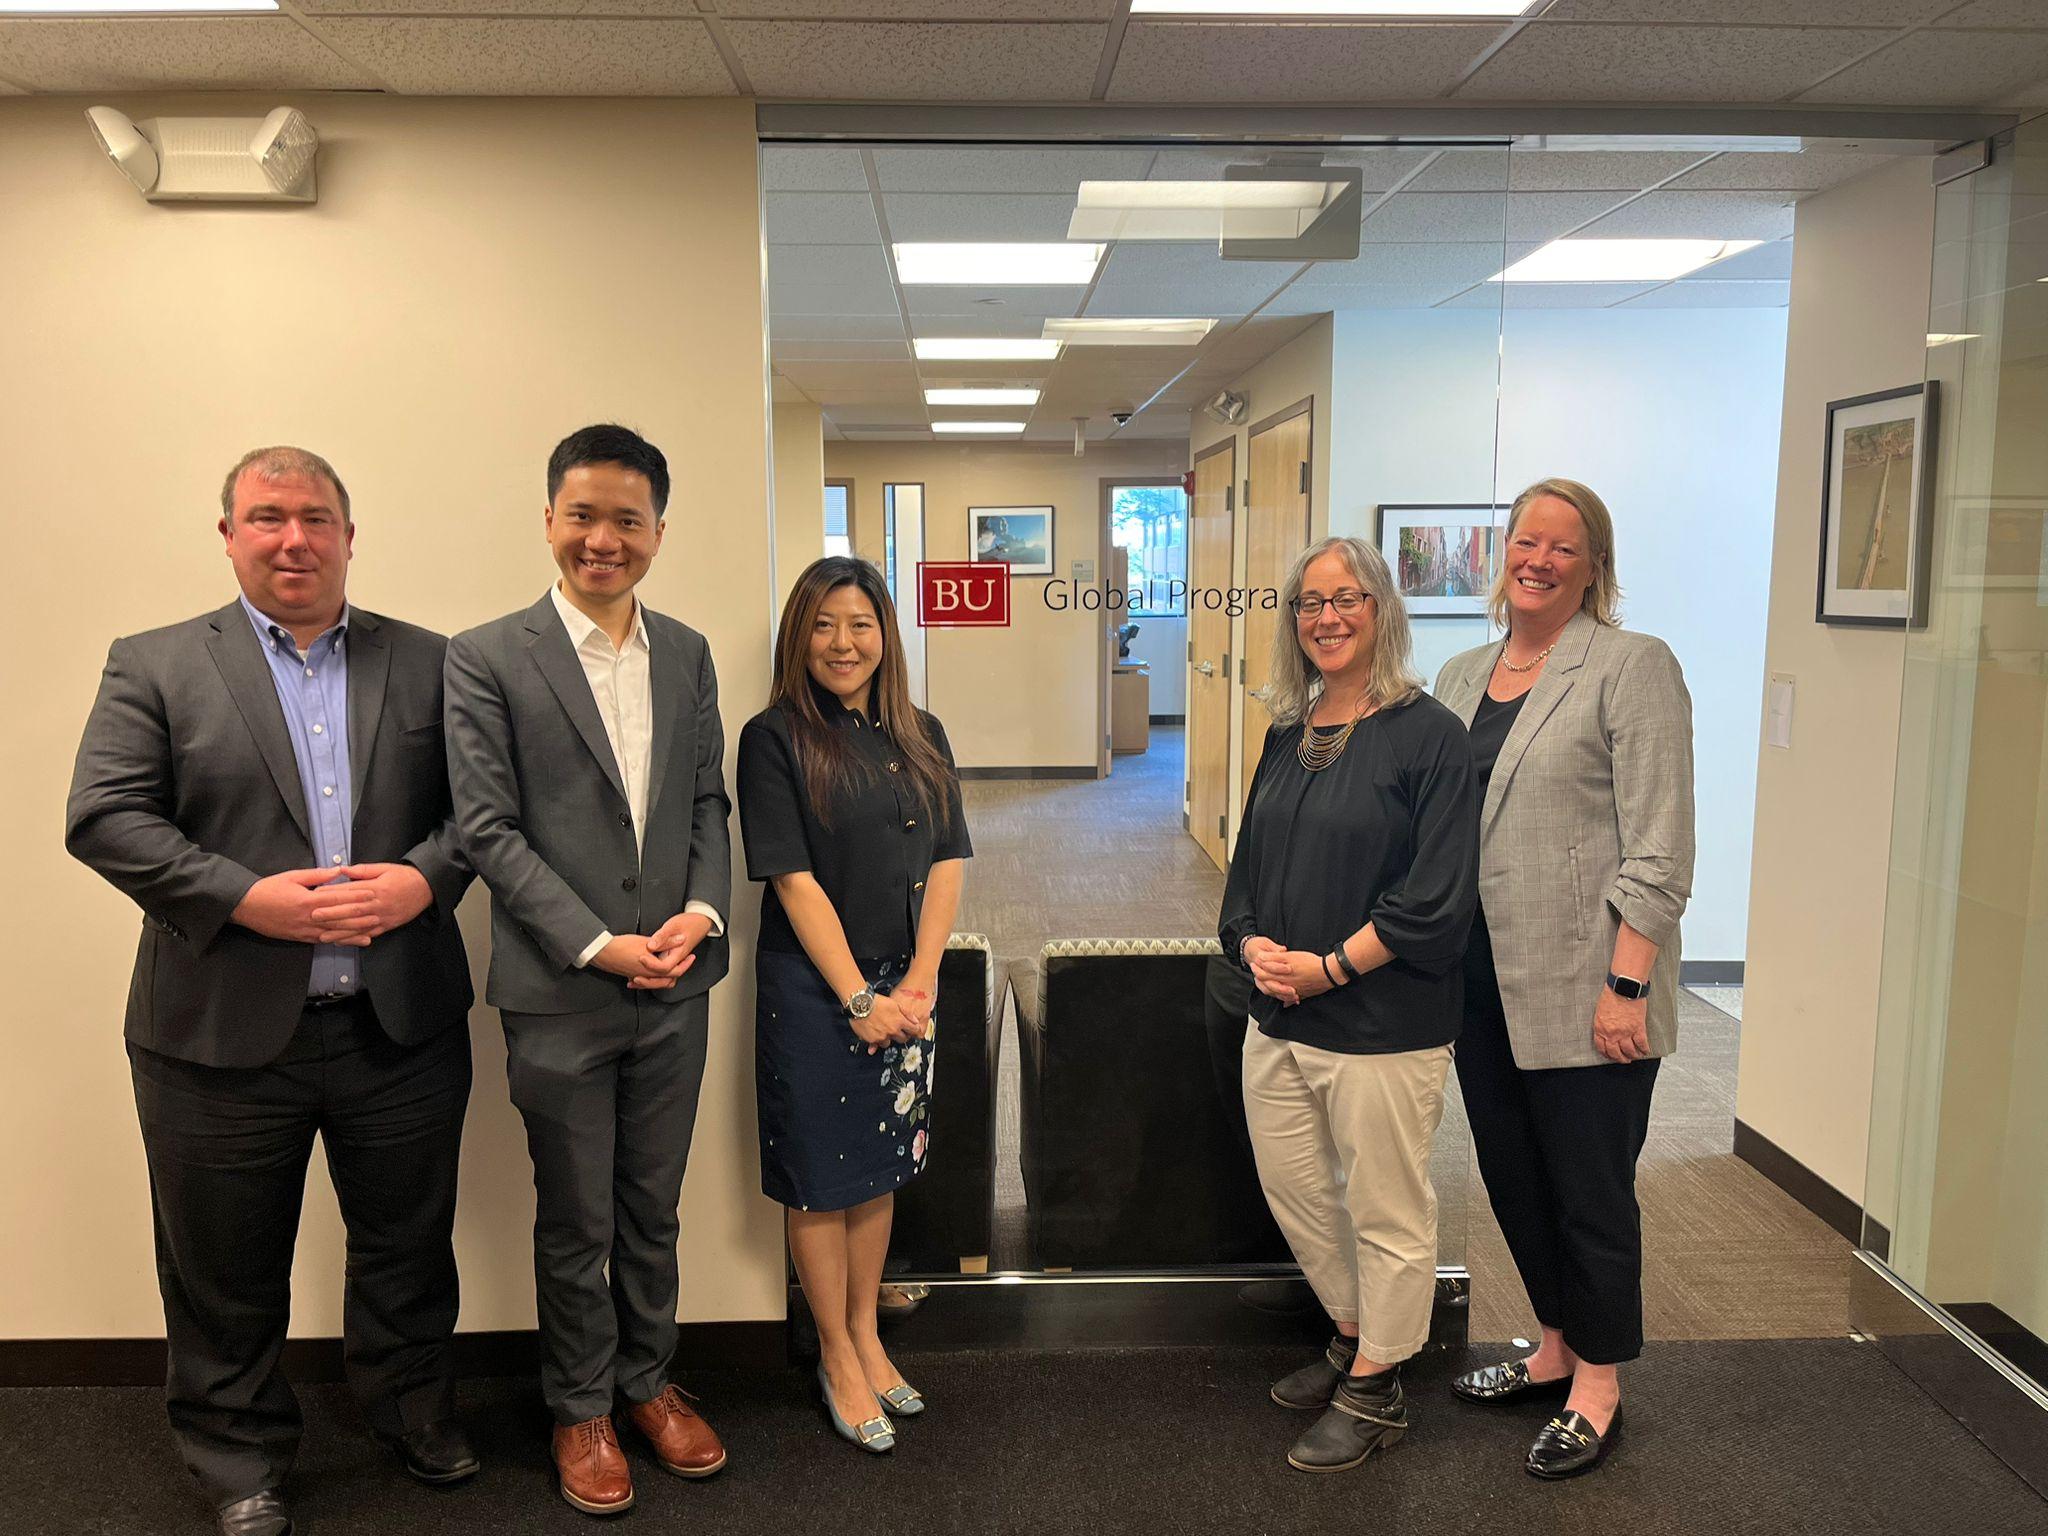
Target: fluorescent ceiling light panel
[(1200, 210), (984, 349), (977, 264), (1618, 261), (977, 426), (1430, 9), (1129, 333), (981, 397), (128, 7)]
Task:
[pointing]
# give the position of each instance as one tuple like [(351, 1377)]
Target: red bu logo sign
[(963, 594)]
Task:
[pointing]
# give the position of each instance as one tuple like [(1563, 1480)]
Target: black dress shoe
[(1506, 1382), (1570, 1445), (260, 1514), (436, 1454)]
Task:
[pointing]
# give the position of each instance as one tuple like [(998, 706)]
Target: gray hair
[(1294, 682), (276, 463)]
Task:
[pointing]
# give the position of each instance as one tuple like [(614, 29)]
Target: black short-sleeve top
[(874, 859), (1388, 833)]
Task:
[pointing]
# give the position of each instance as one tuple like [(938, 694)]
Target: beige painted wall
[(1301, 369), (477, 279), (1022, 697), (799, 435), (1858, 322)]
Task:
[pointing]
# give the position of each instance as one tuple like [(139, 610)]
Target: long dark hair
[(831, 769)]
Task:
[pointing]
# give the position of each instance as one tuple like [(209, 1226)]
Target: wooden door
[(1212, 533), (1276, 531)]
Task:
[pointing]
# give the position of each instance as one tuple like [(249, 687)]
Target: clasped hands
[(349, 906), (655, 962), (1291, 975), (900, 1015)]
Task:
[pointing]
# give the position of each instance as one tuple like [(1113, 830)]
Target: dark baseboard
[(1800, 1182), (516, 1352), (2006, 1334), (1710, 973), (1169, 719), (1087, 771)]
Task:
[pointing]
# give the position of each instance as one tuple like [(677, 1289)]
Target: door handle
[(1206, 668), (1257, 693)]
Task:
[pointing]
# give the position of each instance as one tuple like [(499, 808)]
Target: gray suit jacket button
[(628, 883)]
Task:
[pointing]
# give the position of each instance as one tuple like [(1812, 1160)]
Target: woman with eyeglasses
[(1348, 902)]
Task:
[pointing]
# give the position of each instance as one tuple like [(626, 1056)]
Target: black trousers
[(610, 1101), (228, 1149), (1557, 1151)]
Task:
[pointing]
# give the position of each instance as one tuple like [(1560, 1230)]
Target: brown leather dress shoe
[(683, 1443), (595, 1477)]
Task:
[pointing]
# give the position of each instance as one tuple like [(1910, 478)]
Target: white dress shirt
[(621, 683)]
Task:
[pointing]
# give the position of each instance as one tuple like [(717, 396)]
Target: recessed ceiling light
[(1308, 9), (991, 349), (1129, 333), (127, 7), (981, 397), (1200, 210), (977, 426), (1618, 261), (1943, 338), (979, 264)]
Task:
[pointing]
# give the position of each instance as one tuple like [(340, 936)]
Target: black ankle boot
[(1366, 1414)]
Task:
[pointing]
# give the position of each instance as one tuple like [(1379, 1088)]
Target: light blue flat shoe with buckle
[(902, 1399), (875, 1435)]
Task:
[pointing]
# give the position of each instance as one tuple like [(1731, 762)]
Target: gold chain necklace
[(1531, 664), (1315, 753)]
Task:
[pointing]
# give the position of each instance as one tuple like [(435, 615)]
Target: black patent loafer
[(1310, 1388), (1366, 1414), (260, 1514), (1569, 1445), (436, 1454), (1506, 1382)]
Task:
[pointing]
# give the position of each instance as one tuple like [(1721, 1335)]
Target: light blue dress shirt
[(313, 689)]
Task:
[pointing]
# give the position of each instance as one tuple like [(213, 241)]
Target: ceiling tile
[(1023, 169), (816, 378), (822, 218), (518, 56), (1706, 295), (801, 297), (1382, 168), (1998, 13), (1791, 13), (1771, 262), (1034, 304), (1807, 171), (900, 61), (1576, 170), (923, 10), (812, 168), (788, 322), (1931, 69), (977, 215), (136, 53), (1236, 62), (1448, 265), (912, 412), (1563, 61), (1464, 170), (1548, 295), (984, 320), (814, 351), (1482, 216), (1183, 280), (1699, 216), (1300, 300)]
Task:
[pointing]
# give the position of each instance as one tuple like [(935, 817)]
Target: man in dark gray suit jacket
[(587, 761), (268, 783)]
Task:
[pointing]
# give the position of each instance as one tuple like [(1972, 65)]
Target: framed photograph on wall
[(1021, 537), (1443, 555), (1875, 516)]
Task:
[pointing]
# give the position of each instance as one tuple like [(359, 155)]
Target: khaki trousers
[(1342, 1144)]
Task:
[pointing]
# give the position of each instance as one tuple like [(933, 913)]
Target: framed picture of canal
[(1875, 516), (1443, 555)]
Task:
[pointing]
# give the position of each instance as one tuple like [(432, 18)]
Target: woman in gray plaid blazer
[(1582, 735)]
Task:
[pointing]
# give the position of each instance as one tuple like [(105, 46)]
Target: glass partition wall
[(1957, 1205)]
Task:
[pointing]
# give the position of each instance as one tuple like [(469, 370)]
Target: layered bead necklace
[(1315, 753)]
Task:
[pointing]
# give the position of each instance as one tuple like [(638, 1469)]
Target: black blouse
[(1491, 723), (873, 860), (1389, 833)]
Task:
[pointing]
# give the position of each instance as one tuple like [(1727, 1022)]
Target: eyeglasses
[(1346, 602)]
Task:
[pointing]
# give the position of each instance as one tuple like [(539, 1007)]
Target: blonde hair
[(1295, 683), (1602, 601)]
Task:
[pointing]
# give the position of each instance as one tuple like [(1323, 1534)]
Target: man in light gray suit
[(587, 763)]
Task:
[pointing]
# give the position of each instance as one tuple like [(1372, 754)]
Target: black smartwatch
[(1627, 986)]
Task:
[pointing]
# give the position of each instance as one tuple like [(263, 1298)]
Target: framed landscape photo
[(1020, 537), (1443, 555), (1875, 515)]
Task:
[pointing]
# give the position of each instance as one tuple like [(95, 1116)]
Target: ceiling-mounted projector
[(212, 159), (1226, 407)]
